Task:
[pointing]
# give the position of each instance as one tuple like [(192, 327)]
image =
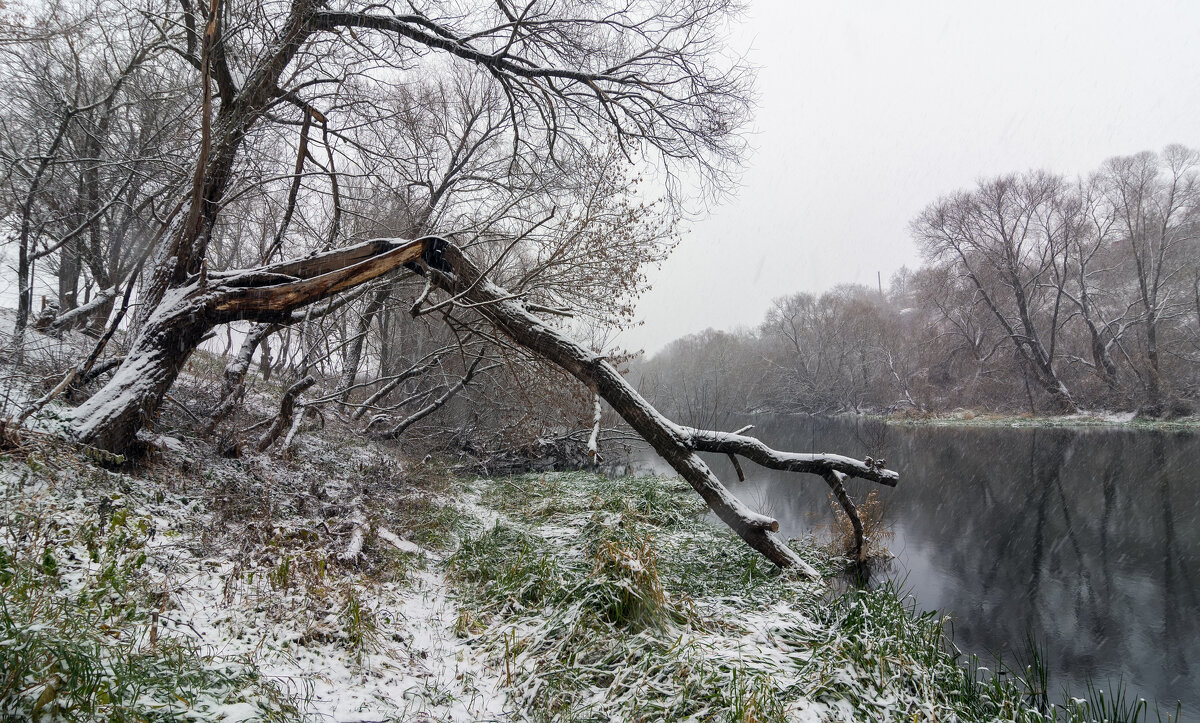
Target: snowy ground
[(248, 578), (341, 584)]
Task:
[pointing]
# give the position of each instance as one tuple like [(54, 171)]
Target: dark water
[(1088, 539)]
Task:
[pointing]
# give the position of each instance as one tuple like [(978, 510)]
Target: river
[(1085, 538)]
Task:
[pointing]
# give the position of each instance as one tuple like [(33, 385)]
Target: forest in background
[(1038, 294), (124, 135)]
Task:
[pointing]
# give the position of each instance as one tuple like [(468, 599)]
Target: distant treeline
[(1038, 293)]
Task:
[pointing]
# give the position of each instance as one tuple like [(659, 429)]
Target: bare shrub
[(876, 530)]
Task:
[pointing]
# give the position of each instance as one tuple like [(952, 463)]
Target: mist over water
[(1083, 538)]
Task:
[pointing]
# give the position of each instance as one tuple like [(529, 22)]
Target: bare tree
[(1154, 198), (1002, 237), (82, 133), (643, 72)]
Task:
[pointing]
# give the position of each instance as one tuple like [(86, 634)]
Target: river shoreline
[(976, 418), (1085, 419)]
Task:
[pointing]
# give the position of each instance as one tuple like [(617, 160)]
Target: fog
[(869, 111)]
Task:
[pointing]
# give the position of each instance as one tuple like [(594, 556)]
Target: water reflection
[(1084, 538)]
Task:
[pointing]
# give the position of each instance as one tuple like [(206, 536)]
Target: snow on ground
[(417, 669), (527, 598), (263, 588)]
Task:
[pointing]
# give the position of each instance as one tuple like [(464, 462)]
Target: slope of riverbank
[(345, 585)]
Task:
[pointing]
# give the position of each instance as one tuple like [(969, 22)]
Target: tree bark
[(111, 418)]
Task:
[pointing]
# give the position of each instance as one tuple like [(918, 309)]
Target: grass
[(1116, 705), (84, 633), (611, 599), (876, 531), (588, 598)]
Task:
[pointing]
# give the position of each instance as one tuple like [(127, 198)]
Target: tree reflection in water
[(1084, 539)]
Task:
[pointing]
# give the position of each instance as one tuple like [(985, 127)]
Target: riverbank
[(345, 585), (970, 418)]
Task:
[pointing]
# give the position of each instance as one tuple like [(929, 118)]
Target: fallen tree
[(272, 294), (646, 76), (459, 277)]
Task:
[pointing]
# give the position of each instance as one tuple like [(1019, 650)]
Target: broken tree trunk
[(455, 274), (111, 418)]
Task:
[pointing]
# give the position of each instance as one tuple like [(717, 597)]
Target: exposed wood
[(281, 298), (110, 419)]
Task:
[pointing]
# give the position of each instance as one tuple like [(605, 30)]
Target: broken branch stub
[(287, 407)]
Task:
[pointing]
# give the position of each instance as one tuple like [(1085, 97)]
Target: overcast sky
[(869, 110)]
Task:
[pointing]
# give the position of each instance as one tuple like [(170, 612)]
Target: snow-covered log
[(455, 274), (297, 419), (69, 318), (111, 418), (703, 440), (834, 468)]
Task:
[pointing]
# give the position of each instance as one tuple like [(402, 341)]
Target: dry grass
[(876, 530)]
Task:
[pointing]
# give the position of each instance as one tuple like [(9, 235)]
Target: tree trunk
[(232, 388), (1153, 381), (1106, 369), (68, 278), (355, 347), (287, 407), (111, 418), (173, 329)]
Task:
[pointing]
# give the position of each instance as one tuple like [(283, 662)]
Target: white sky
[(871, 109)]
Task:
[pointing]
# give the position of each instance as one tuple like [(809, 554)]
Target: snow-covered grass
[(200, 588), (612, 599), (87, 631)]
